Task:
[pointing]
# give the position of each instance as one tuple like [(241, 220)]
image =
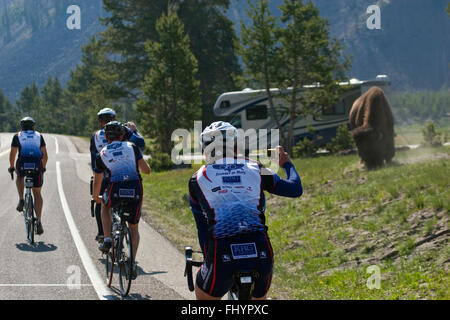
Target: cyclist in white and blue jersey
[(98, 141), (228, 203), (119, 164), (31, 151)]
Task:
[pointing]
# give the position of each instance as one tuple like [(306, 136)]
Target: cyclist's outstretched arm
[(291, 186), (135, 137)]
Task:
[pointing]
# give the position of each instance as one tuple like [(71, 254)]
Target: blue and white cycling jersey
[(98, 142), (100, 139), (29, 143), (227, 197), (232, 190), (119, 160)]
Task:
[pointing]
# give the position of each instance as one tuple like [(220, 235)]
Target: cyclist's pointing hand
[(283, 156)]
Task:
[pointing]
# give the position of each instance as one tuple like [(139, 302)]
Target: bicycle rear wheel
[(29, 218), (125, 261)]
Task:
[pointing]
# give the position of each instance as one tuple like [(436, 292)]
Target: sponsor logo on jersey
[(231, 179), (228, 167)]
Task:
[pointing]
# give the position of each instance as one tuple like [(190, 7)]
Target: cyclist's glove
[(11, 170)]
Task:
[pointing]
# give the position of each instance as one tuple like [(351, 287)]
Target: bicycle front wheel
[(125, 261)]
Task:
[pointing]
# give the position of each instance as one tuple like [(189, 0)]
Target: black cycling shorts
[(251, 252), (34, 165), (130, 191)]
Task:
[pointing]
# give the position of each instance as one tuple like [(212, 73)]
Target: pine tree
[(53, 111), (172, 97), (29, 102), (261, 51), (309, 57), (8, 114), (131, 23), (91, 87)]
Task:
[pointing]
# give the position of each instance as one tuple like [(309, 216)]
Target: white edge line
[(97, 281), (4, 152), (56, 145), (44, 285)]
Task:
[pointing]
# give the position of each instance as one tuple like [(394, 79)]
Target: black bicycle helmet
[(113, 130), (27, 123), (106, 114)]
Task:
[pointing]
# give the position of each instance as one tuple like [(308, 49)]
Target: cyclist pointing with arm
[(119, 164), (29, 146), (228, 203)]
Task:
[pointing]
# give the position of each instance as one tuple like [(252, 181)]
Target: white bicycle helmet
[(208, 135), (106, 113)]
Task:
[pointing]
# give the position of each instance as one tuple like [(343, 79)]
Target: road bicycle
[(243, 280), (28, 208), (120, 257)]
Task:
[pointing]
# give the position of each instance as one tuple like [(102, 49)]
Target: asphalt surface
[(65, 262)]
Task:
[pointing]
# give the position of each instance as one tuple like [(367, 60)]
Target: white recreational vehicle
[(249, 109)]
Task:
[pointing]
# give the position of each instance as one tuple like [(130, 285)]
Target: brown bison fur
[(372, 127)]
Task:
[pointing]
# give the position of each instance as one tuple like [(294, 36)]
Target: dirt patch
[(424, 157)]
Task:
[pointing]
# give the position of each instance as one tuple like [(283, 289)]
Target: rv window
[(225, 104), (258, 112)]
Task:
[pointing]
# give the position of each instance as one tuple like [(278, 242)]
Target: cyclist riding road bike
[(120, 163), (228, 203), (98, 141), (29, 146)]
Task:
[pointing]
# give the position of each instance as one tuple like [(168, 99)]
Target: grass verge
[(396, 218)]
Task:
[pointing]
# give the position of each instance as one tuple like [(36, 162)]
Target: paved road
[(65, 262)]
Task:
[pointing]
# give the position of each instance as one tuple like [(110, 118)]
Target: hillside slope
[(412, 47), (347, 220), (35, 52)]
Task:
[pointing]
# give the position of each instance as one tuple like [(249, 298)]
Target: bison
[(372, 126)]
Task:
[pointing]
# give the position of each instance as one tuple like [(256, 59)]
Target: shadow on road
[(36, 247)]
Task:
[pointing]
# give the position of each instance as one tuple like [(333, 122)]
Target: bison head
[(367, 141)]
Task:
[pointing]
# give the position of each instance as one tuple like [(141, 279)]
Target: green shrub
[(342, 141), (431, 138), (305, 147), (160, 162)]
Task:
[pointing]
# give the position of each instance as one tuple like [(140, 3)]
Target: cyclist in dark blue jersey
[(118, 165), (98, 141), (228, 203), (31, 151)]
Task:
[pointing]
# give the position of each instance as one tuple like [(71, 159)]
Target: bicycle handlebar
[(189, 264)]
